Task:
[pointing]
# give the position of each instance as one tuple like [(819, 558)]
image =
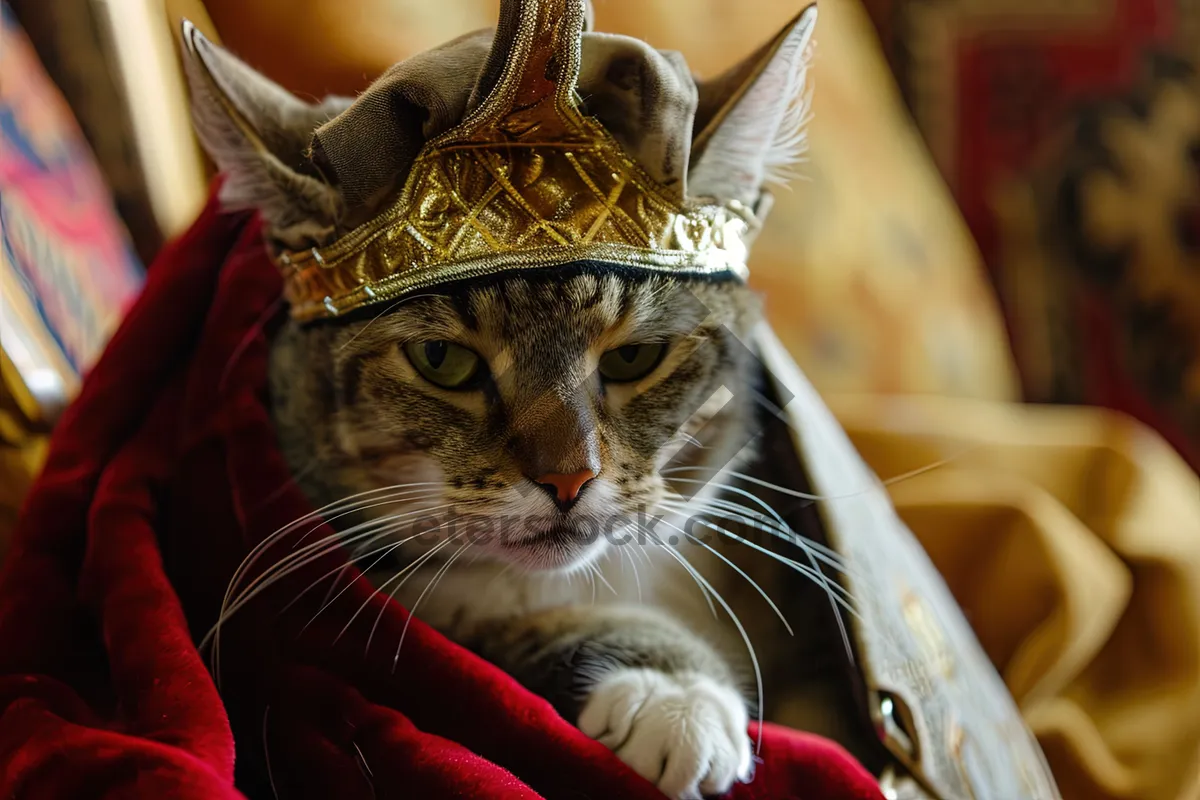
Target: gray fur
[(561, 653), (353, 414), (343, 398)]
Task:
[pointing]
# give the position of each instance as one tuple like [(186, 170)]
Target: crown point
[(520, 181)]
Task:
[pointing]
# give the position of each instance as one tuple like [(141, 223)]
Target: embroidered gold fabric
[(937, 703), (526, 180)]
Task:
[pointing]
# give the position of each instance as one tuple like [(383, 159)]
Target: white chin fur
[(556, 557)]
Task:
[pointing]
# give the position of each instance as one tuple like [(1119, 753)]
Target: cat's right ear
[(258, 134), (749, 124)]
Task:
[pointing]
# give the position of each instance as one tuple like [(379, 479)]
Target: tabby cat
[(570, 418)]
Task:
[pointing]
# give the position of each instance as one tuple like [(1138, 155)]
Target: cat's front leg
[(660, 697), (686, 732)]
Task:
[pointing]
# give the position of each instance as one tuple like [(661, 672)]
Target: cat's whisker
[(640, 551), (811, 570), (267, 753), (351, 537), (740, 572), (214, 633), (333, 594), (780, 528), (368, 773), (600, 576), (696, 576), (429, 587), (703, 591), (371, 529), (339, 505), (388, 500), (386, 551), (773, 407), (749, 479), (815, 552), (342, 539), (355, 500), (402, 576), (645, 554), (735, 512), (904, 476), (844, 598), (812, 551), (363, 496), (687, 438), (360, 552), (636, 549), (765, 506), (620, 551), (317, 550), (831, 588), (776, 525), (333, 585), (818, 498), (232, 605)]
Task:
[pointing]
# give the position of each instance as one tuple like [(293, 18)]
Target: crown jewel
[(526, 180)]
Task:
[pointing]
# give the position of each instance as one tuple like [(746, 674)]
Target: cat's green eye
[(443, 363), (631, 362)]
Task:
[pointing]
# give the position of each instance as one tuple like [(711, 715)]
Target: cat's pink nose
[(565, 488)]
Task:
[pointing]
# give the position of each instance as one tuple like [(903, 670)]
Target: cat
[(560, 425)]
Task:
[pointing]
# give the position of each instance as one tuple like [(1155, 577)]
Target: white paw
[(684, 733)]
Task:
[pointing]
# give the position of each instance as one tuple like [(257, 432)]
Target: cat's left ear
[(258, 134), (749, 125)]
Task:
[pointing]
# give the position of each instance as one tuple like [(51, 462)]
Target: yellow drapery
[(1071, 537)]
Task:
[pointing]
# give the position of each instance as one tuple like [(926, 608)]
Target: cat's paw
[(684, 733)]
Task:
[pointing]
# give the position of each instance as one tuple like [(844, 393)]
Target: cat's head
[(530, 415)]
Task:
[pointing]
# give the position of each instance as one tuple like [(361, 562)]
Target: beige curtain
[(1071, 538)]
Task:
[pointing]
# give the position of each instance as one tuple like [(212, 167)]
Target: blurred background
[(1000, 201), (1001, 205)]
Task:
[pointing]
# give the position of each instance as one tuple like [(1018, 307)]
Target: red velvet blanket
[(162, 477)]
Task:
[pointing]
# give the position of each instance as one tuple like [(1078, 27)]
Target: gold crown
[(525, 181)]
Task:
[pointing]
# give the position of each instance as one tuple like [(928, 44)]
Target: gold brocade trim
[(526, 180)]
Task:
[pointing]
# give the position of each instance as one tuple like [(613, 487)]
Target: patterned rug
[(1069, 133)]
